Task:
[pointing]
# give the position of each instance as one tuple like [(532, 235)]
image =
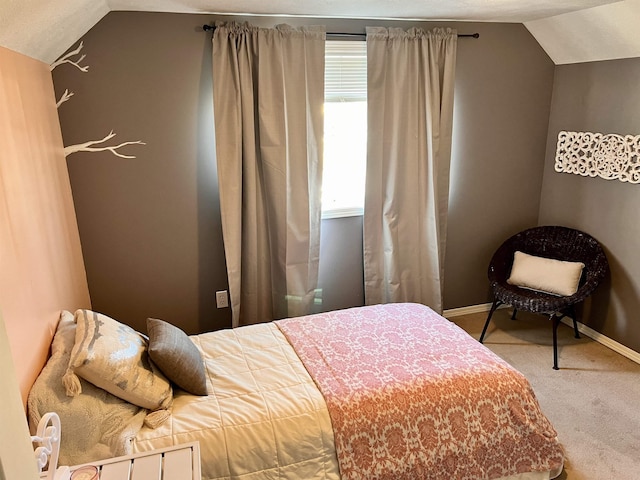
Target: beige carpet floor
[(593, 401)]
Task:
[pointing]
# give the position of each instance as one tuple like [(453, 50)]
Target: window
[(345, 128)]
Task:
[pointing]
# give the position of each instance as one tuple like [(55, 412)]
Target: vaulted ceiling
[(570, 31)]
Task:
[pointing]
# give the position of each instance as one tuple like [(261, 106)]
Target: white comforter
[(263, 418)]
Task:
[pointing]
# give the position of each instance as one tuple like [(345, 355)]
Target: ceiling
[(570, 31), (476, 10)]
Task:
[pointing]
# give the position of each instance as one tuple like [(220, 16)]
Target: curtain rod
[(206, 28)]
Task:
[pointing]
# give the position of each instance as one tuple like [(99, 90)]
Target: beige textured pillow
[(96, 424), (545, 274), (113, 356), (177, 356)]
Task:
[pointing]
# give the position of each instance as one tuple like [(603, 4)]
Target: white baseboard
[(604, 340), (582, 328), (480, 308)]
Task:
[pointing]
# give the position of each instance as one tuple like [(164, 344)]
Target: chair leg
[(496, 304), (513, 315), (574, 317), (555, 321), (570, 312)]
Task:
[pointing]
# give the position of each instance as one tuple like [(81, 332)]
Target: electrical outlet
[(222, 300)]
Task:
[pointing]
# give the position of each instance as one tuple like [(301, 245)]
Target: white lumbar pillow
[(545, 274)]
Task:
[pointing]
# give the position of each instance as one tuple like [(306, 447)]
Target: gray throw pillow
[(177, 356)]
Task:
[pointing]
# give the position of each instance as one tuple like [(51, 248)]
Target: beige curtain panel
[(268, 87), (410, 115)]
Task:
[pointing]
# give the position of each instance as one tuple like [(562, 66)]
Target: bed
[(381, 392)]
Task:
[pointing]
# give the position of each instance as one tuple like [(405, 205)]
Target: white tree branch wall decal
[(65, 96), (67, 59), (89, 146)]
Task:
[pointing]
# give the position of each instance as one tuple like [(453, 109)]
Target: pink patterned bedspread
[(413, 396)]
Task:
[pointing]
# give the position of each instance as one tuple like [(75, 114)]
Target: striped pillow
[(114, 357)]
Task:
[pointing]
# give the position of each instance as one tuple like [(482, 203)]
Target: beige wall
[(150, 227), (40, 255), (16, 452), (600, 97)]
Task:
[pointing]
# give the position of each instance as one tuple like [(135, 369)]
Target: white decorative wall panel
[(608, 156)]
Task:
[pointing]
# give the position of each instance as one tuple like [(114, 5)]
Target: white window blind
[(345, 71), (345, 128)]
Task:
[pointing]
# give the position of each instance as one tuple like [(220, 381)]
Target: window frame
[(355, 90)]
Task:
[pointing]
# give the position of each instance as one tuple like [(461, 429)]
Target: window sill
[(342, 212)]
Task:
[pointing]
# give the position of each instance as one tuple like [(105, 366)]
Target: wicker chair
[(559, 243)]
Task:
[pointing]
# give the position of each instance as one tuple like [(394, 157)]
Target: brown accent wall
[(502, 100), (40, 255), (341, 269), (600, 97), (150, 227)]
